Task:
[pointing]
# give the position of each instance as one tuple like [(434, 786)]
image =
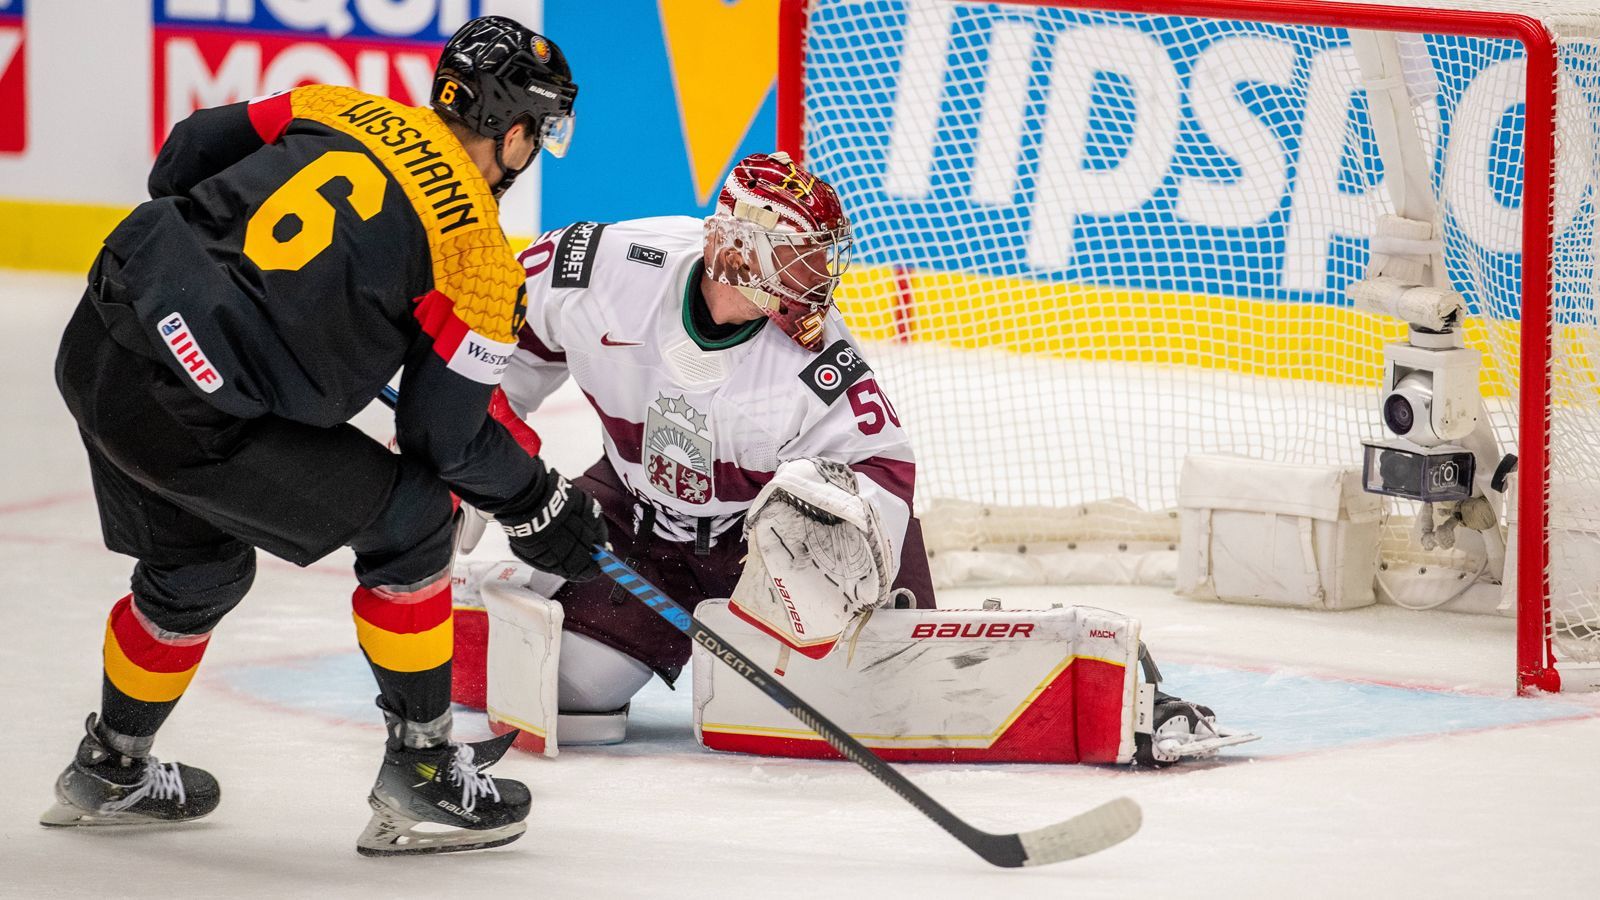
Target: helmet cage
[(790, 275)]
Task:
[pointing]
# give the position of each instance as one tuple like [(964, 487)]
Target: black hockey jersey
[(301, 248)]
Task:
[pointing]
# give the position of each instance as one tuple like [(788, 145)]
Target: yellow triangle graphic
[(724, 58)]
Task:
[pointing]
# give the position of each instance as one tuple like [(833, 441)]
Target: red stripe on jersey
[(148, 652), (896, 476), (527, 340), (736, 484), (500, 410), (436, 313), (413, 615), (627, 436), (271, 116)]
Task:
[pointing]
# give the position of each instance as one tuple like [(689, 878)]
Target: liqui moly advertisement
[(211, 52)]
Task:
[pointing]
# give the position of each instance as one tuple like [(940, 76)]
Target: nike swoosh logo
[(606, 341)]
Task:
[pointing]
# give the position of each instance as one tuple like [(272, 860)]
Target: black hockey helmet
[(495, 72)]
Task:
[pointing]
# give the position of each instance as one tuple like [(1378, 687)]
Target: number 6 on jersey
[(300, 201)]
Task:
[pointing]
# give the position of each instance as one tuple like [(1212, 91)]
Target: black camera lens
[(1401, 473), (1398, 414)]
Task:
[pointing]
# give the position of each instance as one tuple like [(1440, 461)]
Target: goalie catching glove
[(557, 528), (818, 557)]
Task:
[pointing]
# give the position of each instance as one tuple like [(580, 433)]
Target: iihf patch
[(650, 256), (185, 348), (834, 370), (575, 255)]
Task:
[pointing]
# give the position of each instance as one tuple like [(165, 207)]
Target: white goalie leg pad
[(468, 578), (818, 557), (523, 664), (1054, 685), (469, 528), (469, 672), (554, 686)]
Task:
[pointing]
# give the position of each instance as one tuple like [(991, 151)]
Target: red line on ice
[(45, 502)]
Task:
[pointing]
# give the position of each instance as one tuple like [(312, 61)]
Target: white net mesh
[(1091, 243)]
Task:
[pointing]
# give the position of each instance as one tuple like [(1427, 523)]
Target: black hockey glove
[(557, 530)]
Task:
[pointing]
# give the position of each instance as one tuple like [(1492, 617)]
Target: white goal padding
[(1278, 534)]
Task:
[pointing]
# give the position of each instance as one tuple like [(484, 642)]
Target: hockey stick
[(1104, 826)]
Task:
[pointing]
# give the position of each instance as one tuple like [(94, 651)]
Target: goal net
[(1094, 239)]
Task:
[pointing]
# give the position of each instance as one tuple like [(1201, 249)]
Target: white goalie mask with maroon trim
[(793, 241)]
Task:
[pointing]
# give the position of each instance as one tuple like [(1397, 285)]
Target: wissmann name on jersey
[(421, 160)]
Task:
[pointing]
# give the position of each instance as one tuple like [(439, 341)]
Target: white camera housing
[(1436, 379)]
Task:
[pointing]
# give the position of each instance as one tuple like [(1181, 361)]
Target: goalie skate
[(1183, 730), (437, 801)]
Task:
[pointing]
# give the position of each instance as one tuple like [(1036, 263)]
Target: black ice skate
[(1168, 730), (1182, 730), (104, 786), (436, 800)]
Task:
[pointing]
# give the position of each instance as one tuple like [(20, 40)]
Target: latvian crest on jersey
[(677, 442)]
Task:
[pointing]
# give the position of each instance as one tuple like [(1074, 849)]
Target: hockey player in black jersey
[(297, 251)]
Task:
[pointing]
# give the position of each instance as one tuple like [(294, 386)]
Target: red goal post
[(837, 102)]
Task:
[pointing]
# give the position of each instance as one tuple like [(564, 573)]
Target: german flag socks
[(408, 639), (146, 670)]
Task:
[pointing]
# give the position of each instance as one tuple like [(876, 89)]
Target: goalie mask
[(792, 240)]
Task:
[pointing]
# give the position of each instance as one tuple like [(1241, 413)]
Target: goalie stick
[(1104, 826)]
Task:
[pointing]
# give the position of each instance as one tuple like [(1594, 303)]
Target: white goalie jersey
[(696, 426)]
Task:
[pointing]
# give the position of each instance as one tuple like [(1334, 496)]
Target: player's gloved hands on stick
[(557, 529)]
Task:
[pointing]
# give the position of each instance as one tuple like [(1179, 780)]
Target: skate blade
[(1205, 746), (388, 834), (63, 815)]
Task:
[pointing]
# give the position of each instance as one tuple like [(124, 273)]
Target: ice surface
[(1394, 761)]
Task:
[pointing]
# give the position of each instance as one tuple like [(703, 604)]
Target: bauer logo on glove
[(559, 529)]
